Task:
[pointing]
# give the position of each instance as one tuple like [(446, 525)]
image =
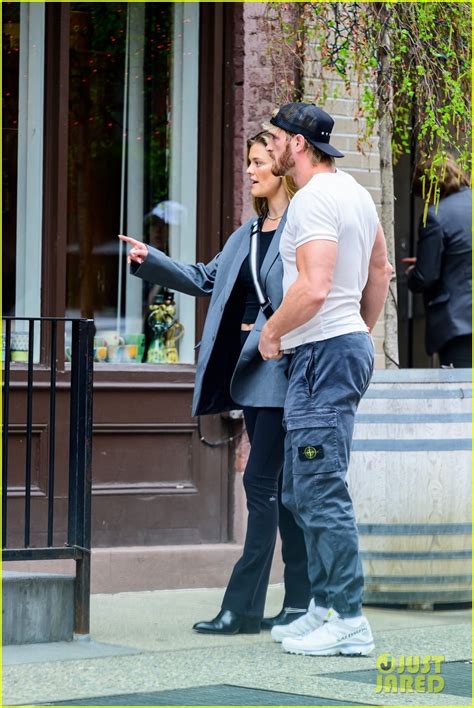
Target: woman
[(231, 373), (443, 268)]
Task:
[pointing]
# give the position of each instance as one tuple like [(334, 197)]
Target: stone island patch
[(310, 452)]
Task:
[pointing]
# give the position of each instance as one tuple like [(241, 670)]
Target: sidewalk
[(143, 652)]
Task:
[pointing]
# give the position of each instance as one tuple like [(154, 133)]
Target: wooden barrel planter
[(410, 480)]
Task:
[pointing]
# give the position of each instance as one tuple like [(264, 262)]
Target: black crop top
[(245, 281)]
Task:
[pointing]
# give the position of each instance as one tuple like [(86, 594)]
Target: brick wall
[(239, 102), (257, 89)]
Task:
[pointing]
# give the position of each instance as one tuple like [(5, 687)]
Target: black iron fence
[(31, 349)]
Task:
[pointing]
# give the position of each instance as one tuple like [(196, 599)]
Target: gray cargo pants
[(327, 379)]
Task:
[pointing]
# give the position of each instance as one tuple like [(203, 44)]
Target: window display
[(133, 100)]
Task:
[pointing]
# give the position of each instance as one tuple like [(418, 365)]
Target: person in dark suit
[(231, 373), (443, 270)]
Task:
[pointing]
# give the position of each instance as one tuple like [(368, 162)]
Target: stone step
[(37, 607)]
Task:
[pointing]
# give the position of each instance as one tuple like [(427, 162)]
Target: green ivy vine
[(426, 90)]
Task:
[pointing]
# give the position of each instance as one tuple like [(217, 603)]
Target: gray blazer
[(227, 377)]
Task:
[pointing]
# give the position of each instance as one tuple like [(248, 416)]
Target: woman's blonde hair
[(260, 204)]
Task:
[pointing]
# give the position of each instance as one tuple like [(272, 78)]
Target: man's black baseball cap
[(307, 120)]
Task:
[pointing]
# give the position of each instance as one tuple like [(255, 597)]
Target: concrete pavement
[(142, 643)]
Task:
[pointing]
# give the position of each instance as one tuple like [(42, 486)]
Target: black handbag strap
[(263, 299)]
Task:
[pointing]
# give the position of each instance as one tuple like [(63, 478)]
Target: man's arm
[(376, 288), (315, 261), (429, 252)]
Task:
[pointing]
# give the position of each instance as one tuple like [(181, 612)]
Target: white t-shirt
[(331, 206)]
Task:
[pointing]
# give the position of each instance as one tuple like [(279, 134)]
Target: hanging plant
[(425, 87)]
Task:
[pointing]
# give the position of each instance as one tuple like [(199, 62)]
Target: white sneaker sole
[(292, 636), (346, 650)]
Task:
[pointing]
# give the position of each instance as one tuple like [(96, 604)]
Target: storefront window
[(22, 165), (132, 168)]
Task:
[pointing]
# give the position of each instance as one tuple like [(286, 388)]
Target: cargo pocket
[(314, 442)]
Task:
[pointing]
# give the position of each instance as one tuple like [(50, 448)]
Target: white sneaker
[(300, 627), (335, 636)]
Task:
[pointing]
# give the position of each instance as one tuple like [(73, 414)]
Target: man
[(335, 282)]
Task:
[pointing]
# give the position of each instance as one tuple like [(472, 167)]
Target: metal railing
[(75, 541)]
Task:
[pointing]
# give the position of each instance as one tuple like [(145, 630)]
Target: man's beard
[(284, 164)]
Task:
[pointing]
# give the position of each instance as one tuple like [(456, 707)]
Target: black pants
[(457, 352), (248, 583)]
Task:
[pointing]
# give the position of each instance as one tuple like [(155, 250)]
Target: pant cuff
[(298, 602), (352, 612)]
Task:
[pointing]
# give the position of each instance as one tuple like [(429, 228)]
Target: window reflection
[(23, 32), (128, 104), (10, 77)]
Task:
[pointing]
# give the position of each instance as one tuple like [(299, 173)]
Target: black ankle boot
[(285, 616), (228, 622)]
